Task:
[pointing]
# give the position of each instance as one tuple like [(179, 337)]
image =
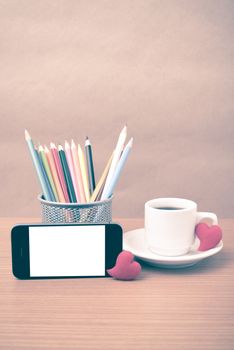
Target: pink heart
[(125, 268), (209, 236)]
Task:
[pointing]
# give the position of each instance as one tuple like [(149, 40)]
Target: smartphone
[(64, 251)]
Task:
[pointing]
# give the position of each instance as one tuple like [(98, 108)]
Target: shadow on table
[(213, 263)]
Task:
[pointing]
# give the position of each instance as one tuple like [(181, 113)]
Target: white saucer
[(134, 242)]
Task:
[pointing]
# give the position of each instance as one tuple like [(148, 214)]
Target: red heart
[(209, 236), (125, 268)]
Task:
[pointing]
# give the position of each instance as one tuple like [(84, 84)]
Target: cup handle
[(206, 216)]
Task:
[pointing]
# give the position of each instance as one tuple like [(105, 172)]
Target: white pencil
[(110, 189), (117, 152)]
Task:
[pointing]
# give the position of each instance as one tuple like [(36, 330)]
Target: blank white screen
[(67, 251)]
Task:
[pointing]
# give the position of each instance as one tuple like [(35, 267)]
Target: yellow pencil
[(54, 175), (48, 172), (84, 173), (102, 180), (78, 172)]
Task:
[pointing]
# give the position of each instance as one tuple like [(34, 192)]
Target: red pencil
[(59, 169)]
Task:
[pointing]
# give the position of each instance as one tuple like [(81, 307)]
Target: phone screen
[(67, 251)]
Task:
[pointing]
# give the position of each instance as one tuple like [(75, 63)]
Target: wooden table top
[(188, 309)]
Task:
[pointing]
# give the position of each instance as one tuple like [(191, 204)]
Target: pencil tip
[(73, 143), (67, 144), (124, 130), (87, 141), (26, 134), (52, 145)]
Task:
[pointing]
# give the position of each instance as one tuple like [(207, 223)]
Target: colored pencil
[(90, 167), (59, 169), (37, 166), (117, 153), (72, 170), (98, 198), (109, 190), (78, 172), (48, 172), (84, 173), (52, 197), (102, 180), (67, 175), (53, 170)]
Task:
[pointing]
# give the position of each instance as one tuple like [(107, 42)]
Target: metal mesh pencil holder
[(99, 212)]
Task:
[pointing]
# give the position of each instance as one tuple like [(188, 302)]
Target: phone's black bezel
[(20, 249)]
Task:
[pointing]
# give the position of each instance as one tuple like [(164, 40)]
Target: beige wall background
[(74, 68)]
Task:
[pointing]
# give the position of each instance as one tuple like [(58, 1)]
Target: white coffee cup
[(170, 225)]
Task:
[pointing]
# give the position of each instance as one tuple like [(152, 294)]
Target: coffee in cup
[(170, 225)]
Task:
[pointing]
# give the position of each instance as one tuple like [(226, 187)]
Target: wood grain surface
[(164, 309)]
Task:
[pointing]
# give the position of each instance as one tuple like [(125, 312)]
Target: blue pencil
[(67, 175), (37, 166), (119, 167)]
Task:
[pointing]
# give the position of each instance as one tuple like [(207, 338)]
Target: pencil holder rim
[(75, 205)]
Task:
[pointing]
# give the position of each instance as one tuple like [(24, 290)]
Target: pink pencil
[(72, 170), (59, 170)]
